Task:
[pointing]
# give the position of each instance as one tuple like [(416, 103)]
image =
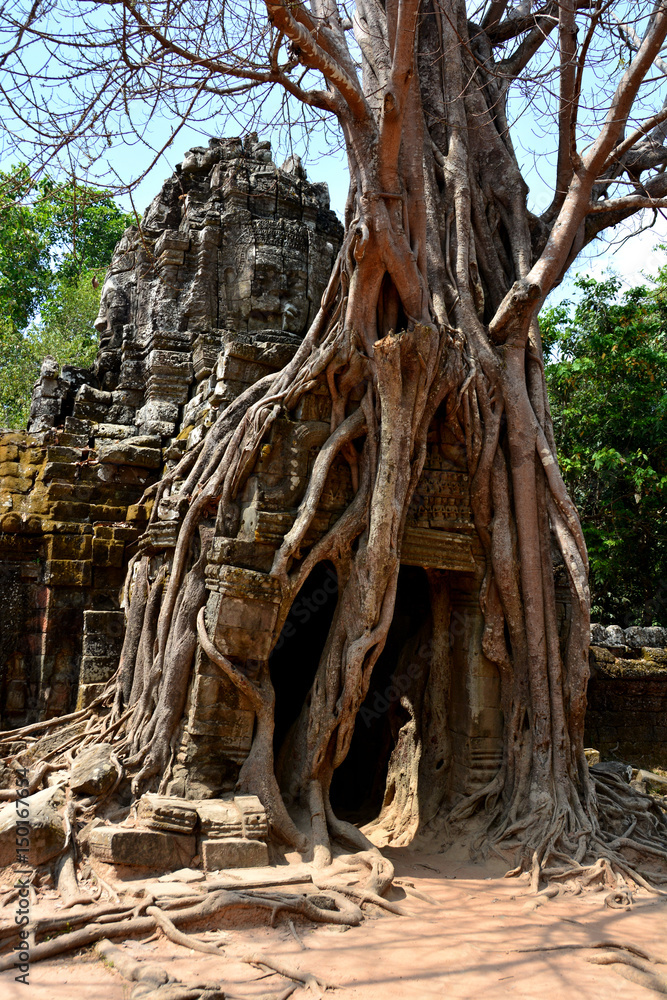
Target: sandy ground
[(462, 945)]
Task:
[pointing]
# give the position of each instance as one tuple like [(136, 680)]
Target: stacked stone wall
[(214, 292), (626, 717)]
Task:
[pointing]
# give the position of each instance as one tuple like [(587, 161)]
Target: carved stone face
[(280, 279), (114, 312)]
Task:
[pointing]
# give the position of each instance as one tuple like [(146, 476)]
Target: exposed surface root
[(123, 922), (634, 969)]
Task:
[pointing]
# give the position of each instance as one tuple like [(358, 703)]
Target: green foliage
[(606, 370), (54, 239)]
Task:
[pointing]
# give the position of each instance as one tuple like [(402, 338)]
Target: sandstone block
[(655, 654), (109, 623), (637, 636), (68, 573), (234, 852), (43, 827), (147, 848), (106, 512), (162, 812), (68, 510), (156, 410), (8, 453), (106, 553), (93, 771), (131, 455), (77, 547), (220, 818), (88, 693), (255, 822), (97, 669)]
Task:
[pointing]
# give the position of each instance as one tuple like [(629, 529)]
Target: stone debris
[(146, 848), (93, 771), (231, 833), (634, 637), (159, 812), (45, 827)]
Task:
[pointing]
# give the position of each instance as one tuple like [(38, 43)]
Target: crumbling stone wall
[(216, 291), (627, 694)]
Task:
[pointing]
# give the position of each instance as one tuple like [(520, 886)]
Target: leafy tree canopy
[(53, 239), (607, 378)]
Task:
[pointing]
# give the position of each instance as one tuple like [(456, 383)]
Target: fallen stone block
[(657, 782), (148, 848), (219, 819), (37, 820), (93, 771), (234, 852), (161, 812)]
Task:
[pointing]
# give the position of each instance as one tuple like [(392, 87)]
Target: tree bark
[(431, 307)]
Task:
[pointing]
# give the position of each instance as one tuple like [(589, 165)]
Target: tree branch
[(317, 58)]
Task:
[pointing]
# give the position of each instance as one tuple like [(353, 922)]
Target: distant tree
[(54, 238), (606, 371)]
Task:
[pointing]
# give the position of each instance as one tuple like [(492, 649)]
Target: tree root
[(128, 967), (114, 922), (178, 937), (617, 946), (307, 979), (636, 970), (153, 980)]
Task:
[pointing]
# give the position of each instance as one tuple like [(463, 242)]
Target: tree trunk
[(428, 304)]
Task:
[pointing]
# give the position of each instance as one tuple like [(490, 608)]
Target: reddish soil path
[(462, 946)]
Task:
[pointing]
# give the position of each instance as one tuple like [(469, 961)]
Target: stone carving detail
[(215, 292)]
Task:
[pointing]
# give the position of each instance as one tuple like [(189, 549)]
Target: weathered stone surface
[(43, 828), (220, 819), (255, 822), (234, 852), (93, 771), (216, 292), (636, 637), (161, 812), (141, 848)]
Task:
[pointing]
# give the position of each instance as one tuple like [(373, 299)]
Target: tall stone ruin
[(217, 290)]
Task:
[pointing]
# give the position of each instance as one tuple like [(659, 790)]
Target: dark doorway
[(358, 784), (295, 657)]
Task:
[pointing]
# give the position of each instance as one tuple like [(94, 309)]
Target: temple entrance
[(358, 785), (294, 659)]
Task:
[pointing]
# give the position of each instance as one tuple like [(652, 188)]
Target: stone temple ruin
[(217, 290)]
